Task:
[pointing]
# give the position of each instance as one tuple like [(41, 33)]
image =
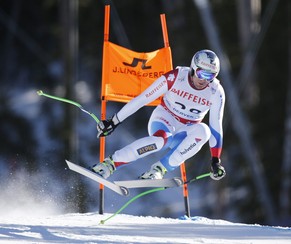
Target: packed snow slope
[(86, 228)]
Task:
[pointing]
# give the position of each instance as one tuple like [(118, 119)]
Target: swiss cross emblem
[(171, 77)]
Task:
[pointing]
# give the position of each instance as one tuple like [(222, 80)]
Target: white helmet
[(205, 65)]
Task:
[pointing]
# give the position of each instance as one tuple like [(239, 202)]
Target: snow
[(122, 228)]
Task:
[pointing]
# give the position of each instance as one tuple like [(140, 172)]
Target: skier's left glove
[(106, 127), (217, 170)]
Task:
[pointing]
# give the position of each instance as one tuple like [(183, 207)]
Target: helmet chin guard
[(207, 61)]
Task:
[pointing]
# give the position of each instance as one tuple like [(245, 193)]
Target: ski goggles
[(204, 75)]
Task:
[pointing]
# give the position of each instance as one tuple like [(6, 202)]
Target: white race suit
[(176, 123)]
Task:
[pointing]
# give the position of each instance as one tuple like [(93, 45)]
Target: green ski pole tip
[(39, 92), (102, 222)]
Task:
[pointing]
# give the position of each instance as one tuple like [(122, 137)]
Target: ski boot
[(104, 169), (156, 172)]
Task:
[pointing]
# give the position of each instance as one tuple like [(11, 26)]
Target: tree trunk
[(69, 20), (238, 118), (285, 194), (249, 12)]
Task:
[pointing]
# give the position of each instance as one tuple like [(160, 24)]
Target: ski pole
[(197, 178), (41, 93), (132, 200), (148, 192)]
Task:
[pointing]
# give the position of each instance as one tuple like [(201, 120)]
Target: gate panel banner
[(127, 73)]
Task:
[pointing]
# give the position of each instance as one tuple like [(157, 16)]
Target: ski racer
[(176, 124)]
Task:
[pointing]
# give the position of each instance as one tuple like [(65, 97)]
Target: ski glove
[(217, 170), (106, 127)]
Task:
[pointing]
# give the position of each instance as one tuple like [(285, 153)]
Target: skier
[(188, 94)]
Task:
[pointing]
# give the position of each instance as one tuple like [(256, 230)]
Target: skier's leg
[(186, 143), (192, 139), (137, 149), (160, 135)]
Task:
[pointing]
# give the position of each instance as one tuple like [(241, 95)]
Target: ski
[(121, 187), (167, 183), (122, 190)]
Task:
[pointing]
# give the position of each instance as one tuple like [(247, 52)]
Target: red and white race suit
[(176, 122)]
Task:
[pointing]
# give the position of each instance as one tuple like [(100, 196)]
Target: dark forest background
[(56, 46)]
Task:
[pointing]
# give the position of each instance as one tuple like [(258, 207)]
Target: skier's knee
[(205, 131), (201, 131), (165, 135)]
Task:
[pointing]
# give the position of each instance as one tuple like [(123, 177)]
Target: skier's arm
[(215, 122), (216, 138), (155, 90)]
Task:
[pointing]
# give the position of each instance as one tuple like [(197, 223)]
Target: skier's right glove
[(106, 127), (217, 170)]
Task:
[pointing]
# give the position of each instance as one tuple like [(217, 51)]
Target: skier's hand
[(217, 170), (106, 127)]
